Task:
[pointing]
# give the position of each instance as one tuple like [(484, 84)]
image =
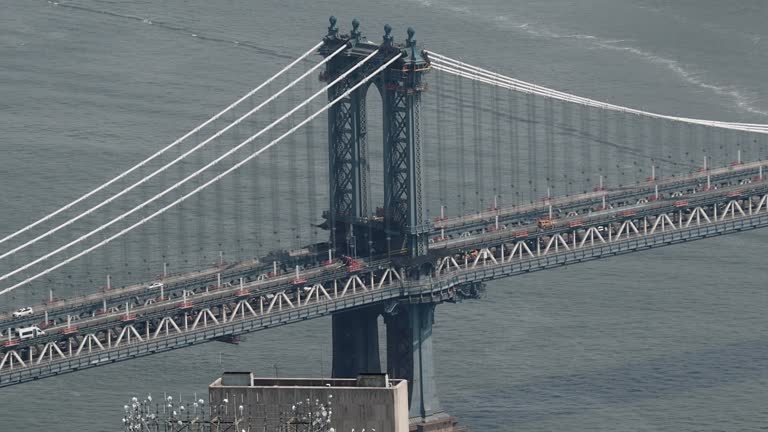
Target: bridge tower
[(402, 228), (356, 228)]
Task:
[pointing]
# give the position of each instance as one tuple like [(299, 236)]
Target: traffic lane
[(172, 284), (715, 176), (654, 207), (158, 309)]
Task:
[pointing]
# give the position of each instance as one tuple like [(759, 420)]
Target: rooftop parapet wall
[(379, 408)]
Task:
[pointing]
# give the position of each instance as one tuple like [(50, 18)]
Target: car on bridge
[(156, 285), (25, 311), (30, 332)]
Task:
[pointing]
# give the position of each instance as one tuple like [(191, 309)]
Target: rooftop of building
[(363, 381)]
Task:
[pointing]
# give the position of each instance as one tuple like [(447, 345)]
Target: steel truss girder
[(188, 318), (583, 203), (498, 251), (521, 260), (115, 300), (474, 238)]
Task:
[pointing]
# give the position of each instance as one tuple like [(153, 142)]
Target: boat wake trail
[(740, 98), (742, 101), (173, 27)]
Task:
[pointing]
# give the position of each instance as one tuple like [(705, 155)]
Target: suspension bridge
[(473, 176)]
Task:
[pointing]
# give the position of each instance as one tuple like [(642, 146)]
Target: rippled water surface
[(667, 340)]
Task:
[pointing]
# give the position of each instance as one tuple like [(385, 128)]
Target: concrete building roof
[(363, 381)]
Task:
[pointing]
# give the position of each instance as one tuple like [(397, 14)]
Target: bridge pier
[(356, 342), (409, 356)]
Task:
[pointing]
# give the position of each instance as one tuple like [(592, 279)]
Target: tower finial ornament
[(411, 41), (388, 38), (410, 44), (355, 33), (333, 30)]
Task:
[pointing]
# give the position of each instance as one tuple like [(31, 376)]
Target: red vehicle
[(351, 264)]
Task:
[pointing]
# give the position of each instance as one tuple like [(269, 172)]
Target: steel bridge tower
[(356, 228), (401, 228)]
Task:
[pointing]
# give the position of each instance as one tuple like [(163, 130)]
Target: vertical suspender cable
[(441, 146), (191, 176), (219, 210), (161, 151), (646, 141), (222, 174), (662, 156), (532, 162), (676, 142), (163, 234), (549, 141), (568, 155), (107, 254), (293, 198), (274, 182), (496, 138), (514, 138), (237, 207), (309, 133), (253, 212), (181, 228), (747, 146), (177, 159), (199, 214), (621, 141), (645, 161), (701, 135), (586, 148), (477, 129), (603, 144), (441, 62), (460, 184), (142, 241)]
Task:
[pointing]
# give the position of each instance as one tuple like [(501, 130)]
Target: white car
[(30, 332), (25, 311), (156, 285)]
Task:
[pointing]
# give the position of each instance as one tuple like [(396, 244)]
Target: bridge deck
[(171, 324)]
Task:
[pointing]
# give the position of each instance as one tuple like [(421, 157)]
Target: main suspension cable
[(224, 173), (465, 70), (161, 151), (173, 162), (189, 177)]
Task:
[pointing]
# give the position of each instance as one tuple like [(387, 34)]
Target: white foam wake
[(740, 98)]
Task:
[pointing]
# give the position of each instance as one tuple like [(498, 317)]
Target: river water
[(665, 340)]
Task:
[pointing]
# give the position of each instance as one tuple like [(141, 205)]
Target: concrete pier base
[(409, 356), (441, 423), (356, 342)]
